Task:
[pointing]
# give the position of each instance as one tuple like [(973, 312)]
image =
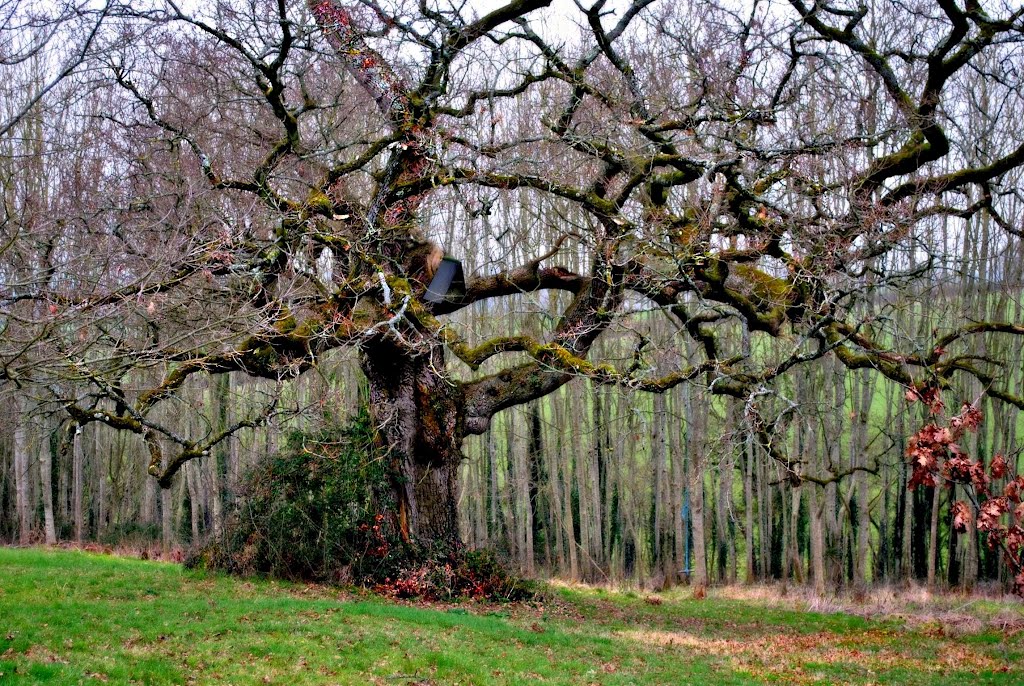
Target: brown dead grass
[(950, 613), (791, 657), (943, 612)]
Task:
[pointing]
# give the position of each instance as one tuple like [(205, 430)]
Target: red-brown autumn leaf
[(1015, 539), (989, 513), (933, 398), (998, 467), (958, 468), (970, 417), (961, 515)]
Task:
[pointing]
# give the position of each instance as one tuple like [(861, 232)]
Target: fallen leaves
[(790, 657)]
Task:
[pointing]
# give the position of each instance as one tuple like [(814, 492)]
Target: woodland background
[(593, 482)]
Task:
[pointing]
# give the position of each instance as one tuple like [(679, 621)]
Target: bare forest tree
[(710, 194)]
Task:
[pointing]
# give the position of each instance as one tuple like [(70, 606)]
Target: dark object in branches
[(448, 282)]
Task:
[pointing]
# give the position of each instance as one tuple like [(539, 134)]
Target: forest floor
[(72, 617)]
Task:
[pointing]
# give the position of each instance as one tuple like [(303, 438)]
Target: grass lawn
[(70, 617)]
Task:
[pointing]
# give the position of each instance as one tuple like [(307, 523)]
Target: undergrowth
[(322, 509)]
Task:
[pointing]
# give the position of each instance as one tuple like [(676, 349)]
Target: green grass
[(69, 617)]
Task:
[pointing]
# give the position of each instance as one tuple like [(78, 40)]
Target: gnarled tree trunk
[(418, 412)]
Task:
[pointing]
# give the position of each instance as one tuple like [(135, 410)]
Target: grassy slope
[(72, 617)]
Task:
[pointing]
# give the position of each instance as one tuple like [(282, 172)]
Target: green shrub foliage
[(322, 509), (317, 510)]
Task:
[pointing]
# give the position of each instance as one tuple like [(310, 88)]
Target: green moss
[(318, 203), (768, 288), (264, 356), (285, 324)]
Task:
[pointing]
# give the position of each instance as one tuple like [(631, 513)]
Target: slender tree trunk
[(969, 573), (695, 411), (481, 472), (46, 489), (23, 505), (886, 558), (540, 529), (78, 483), (933, 536), (234, 458), (796, 564), (148, 513), (858, 458), (193, 499), (568, 521), (748, 505), (166, 520), (621, 517), (833, 497), (508, 500), (678, 463), (659, 533), (765, 528), (524, 506), (62, 467), (727, 538), (100, 468), (221, 392), (815, 503), (907, 501), (555, 488), (596, 478), (581, 470), (817, 545)]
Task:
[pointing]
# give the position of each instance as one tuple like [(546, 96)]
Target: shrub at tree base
[(322, 510), (461, 573)]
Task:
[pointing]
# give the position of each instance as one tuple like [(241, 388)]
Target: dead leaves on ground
[(793, 657)]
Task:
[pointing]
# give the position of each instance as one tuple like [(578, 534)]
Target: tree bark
[(795, 563), (817, 544), (597, 476), (660, 496), (568, 521), (933, 536), (78, 483), (418, 413), (678, 468), (166, 521), (101, 467), (21, 472), (221, 392), (748, 506), (725, 546), (695, 416), (46, 490), (192, 488), (862, 565), (815, 505), (538, 510)]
